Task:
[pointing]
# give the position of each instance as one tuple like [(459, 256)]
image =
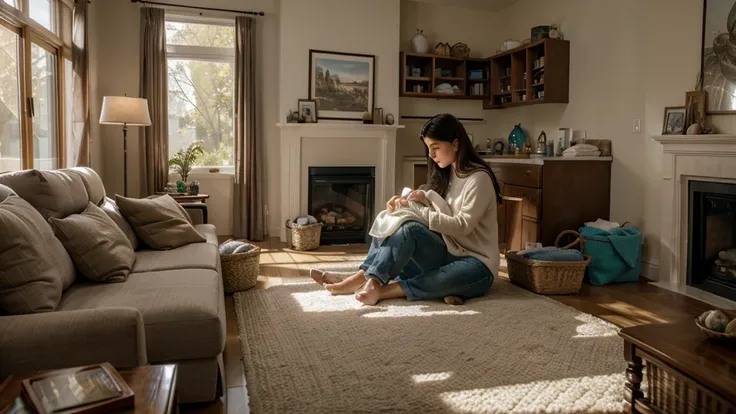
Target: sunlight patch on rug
[(437, 376), (592, 328), (600, 394)]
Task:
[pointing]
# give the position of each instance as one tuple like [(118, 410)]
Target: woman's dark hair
[(447, 128)]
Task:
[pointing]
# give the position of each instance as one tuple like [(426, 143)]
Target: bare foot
[(453, 300), (370, 293), (347, 286), (324, 277)]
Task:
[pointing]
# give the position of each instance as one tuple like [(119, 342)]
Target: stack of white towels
[(582, 150)]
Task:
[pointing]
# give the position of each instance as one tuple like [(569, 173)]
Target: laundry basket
[(240, 270), (548, 277), (303, 237)]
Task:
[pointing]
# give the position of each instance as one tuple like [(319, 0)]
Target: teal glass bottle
[(517, 138)]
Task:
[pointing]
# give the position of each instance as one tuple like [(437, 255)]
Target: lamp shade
[(119, 110)]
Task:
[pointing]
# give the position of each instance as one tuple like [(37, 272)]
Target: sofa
[(170, 309)]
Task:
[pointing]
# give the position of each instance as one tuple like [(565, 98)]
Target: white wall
[(351, 26)]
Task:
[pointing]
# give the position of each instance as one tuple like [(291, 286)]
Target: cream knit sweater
[(472, 229)]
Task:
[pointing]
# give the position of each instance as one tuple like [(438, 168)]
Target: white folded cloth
[(387, 223)]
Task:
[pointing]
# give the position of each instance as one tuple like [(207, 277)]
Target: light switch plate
[(637, 126)]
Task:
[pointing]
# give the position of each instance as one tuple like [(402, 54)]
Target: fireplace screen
[(712, 238), (342, 199)]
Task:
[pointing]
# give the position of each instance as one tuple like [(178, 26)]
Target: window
[(10, 115), (200, 64), (42, 11), (31, 99)]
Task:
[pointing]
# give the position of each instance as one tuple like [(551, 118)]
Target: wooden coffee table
[(685, 371), (154, 387)]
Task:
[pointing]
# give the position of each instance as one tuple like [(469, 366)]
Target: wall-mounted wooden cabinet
[(531, 74), (422, 74)]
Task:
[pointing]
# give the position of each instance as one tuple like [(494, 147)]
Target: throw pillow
[(98, 248), (112, 210), (33, 263), (160, 222)]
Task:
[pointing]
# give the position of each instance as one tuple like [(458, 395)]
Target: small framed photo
[(674, 120), (308, 109), (696, 103)]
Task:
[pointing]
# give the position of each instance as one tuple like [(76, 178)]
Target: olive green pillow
[(99, 249), (160, 222)]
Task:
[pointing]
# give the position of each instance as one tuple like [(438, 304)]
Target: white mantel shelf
[(338, 125), (696, 139)]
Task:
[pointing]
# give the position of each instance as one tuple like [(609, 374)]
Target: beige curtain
[(79, 154), (155, 139), (248, 218)]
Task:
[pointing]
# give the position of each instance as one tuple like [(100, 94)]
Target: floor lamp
[(125, 111)]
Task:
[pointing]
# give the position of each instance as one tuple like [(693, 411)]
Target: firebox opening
[(342, 199), (711, 264)]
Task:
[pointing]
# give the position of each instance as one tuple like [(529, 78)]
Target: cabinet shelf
[(519, 62), (471, 75)]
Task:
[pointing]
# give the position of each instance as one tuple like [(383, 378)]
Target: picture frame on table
[(717, 60), (343, 84), (308, 109), (674, 120)]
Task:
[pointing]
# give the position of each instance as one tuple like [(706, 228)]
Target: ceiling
[(487, 5)]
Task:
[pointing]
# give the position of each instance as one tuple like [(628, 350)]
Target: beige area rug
[(510, 352)]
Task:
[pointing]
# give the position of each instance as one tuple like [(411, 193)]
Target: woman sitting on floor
[(453, 255)]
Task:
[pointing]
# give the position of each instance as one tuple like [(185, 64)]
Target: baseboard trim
[(650, 268)]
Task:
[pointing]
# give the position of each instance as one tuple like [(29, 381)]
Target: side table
[(685, 371), (192, 202), (154, 387)]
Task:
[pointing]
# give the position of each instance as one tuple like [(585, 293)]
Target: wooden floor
[(623, 305)]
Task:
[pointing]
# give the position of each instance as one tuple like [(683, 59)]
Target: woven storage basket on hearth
[(240, 270), (304, 237)]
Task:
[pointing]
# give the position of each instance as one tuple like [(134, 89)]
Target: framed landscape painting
[(718, 63), (343, 84)]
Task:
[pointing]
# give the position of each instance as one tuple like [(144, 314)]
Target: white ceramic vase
[(420, 43)]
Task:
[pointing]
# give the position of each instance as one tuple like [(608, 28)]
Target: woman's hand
[(417, 195), (396, 202)]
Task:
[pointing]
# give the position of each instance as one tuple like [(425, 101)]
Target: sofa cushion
[(191, 256), (92, 183), (209, 232), (160, 222), (111, 209), (183, 310), (34, 267), (5, 192), (53, 193), (98, 248)]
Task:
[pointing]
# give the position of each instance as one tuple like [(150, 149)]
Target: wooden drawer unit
[(519, 174), (530, 198), (540, 201)]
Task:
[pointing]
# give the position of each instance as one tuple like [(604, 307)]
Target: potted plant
[(183, 161)]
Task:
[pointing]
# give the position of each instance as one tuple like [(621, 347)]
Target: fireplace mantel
[(685, 158), (338, 144)]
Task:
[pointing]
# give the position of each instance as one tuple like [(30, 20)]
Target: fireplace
[(342, 199), (711, 233)]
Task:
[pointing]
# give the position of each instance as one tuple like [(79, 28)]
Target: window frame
[(204, 54), (31, 32)]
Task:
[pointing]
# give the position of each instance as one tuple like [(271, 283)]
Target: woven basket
[(240, 271), (548, 277), (305, 237)]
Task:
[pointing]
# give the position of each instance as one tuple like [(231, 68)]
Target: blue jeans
[(418, 257)]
